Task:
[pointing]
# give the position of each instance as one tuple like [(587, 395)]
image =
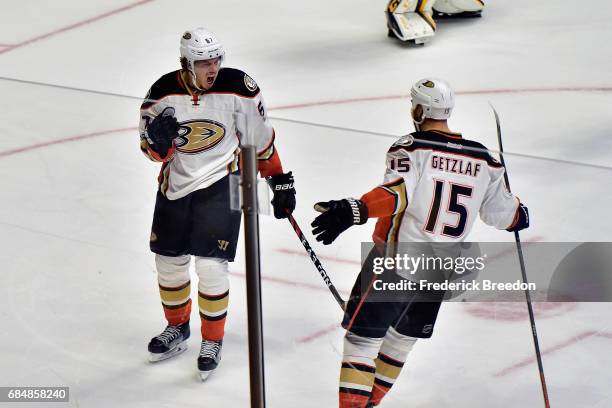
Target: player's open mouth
[(210, 80)]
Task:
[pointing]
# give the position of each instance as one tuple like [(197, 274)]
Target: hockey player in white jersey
[(414, 20), (188, 123), (435, 185)]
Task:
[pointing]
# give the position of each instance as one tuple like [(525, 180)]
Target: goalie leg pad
[(411, 20)]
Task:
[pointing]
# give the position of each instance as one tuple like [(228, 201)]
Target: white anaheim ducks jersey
[(441, 183), (210, 133)]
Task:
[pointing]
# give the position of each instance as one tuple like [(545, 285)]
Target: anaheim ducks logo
[(429, 84), (199, 135)]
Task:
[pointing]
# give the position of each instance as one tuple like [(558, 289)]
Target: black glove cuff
[(359, 210), (521, 219), (281, 182), (161, 148)]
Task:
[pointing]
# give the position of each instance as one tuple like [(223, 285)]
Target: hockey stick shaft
[(316, 262), (519, 249)]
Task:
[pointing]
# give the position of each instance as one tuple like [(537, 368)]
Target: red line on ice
[(560, 346), (73, 26), (353, 262), (340, 101), (317, 334), (84, 136), (290, 282), (469, 92)]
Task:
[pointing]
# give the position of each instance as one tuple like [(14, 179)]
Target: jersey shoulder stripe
[(168, 84), (447, 143), (234, 81)]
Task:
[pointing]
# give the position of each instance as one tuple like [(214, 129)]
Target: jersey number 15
[(454, 206)]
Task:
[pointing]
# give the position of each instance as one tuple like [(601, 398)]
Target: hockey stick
[(519, 249), (317, 263)]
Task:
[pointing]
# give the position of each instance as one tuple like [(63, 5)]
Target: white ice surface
[(78, 295)]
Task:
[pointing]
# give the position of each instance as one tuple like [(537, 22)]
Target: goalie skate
[(169, 343), (464, 14), (457, 8)]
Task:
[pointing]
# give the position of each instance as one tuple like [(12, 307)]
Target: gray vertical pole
[(253, 278)]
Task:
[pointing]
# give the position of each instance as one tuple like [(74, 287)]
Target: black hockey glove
[(284, 194), (337, 217), (162, 130), (521, 220)]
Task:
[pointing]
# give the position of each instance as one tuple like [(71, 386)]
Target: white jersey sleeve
[(499, 205), (401, 175), (252, 122)]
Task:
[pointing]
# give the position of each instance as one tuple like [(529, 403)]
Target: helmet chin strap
[(194, 80)]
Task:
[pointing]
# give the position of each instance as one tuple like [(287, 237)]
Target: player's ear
[(183, 61), (417, 113)]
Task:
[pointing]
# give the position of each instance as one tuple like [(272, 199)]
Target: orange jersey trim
[(157, 157), (380, 203), (386, 200), (271, 166)]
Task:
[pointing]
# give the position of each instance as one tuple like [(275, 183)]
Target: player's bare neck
[(430, 124)]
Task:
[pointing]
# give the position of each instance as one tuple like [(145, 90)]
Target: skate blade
[(205, 374), (157, 357)]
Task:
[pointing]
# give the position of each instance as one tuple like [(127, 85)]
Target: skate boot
[(169, 343), (209, 358)]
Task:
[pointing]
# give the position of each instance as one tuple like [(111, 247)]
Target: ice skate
[(169, 343), (457, 9), (209, 358)]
